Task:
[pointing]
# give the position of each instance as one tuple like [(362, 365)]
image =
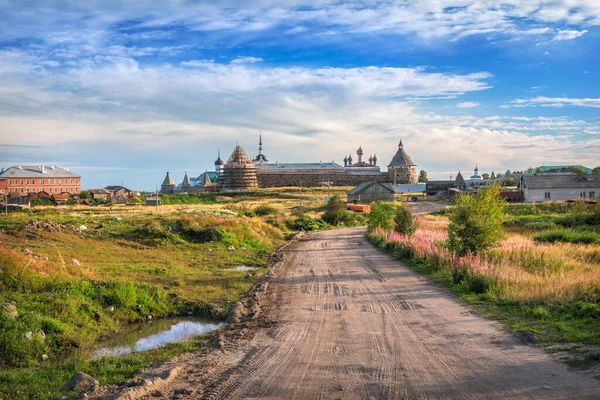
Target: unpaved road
[(349, 322)]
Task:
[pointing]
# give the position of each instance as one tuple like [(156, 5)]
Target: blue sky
[(122, 93)]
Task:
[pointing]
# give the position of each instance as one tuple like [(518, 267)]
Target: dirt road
[(349, 322)]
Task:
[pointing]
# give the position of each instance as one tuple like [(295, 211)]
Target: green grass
[(45, 381), (567, 236), (143, 264)]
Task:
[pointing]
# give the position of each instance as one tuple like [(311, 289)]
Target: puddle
[(242, 268), (150, 335)]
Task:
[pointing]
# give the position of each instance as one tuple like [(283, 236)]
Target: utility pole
[(300, 194), (6, 200)]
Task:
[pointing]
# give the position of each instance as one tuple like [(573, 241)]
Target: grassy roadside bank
[(75, 275), (548, 293)]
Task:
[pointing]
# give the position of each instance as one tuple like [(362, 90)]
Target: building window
[(60, 181), (33, 181), (547, 195), (21, 181), (582, 195), (41, 181), (592, 195)]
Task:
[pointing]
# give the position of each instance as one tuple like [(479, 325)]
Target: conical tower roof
[(206, 179), (186, 181), (360, 151), (239, 156), (459, 181), (401, 159), (168, 180)]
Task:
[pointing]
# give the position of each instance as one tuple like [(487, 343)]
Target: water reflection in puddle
[(146, 336), (242, 268)]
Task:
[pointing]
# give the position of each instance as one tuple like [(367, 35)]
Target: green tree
[(508, 172), (381, 215), (85, 195), (476, 221), (71, 201), (404, 221), (509, 182), (596, 171), (422, 176), (493, 175), (335, 211), (485, 176)]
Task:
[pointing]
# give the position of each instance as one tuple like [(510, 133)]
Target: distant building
[(100, 194), (121, 191), (443, 187), (152, 201), (401, 169), (168, 184), (368, 192), (549, 187), (240, 172), (25, 179)]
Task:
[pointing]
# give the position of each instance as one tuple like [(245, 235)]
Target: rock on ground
[(81, 382)]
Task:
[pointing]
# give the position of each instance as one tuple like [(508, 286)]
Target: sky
[(121, 93)]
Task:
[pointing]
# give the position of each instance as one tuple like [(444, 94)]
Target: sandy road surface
[(353, 323)]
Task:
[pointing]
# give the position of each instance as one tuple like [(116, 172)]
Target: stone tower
[(402, 169), (239, 173), (168, 184)]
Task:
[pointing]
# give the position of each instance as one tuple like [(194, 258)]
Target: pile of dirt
[(34, 225)]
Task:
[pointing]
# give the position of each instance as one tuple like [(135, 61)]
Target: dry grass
[(559, 272)]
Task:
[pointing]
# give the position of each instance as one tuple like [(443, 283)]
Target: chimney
[(43, 171)]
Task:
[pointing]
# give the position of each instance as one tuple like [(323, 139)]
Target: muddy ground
[(341, 320)]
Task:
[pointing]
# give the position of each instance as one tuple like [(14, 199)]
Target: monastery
[(241, 172)]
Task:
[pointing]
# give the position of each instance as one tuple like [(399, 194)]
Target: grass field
[(543, 279), (66, 267)]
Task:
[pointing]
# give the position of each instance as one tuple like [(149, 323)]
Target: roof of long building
[(35, 171), (559, 181), (300, 166)]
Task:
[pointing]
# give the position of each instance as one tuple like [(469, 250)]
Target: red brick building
[(24, 179)]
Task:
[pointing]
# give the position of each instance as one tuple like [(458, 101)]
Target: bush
[(305, 223), (265, 209), (382, 216), (567, 236), (404, 221), (476, 221), (335, 211)]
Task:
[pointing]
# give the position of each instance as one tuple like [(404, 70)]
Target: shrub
[(335, 211), (476, 221), (567, 236), (305, 223), (404, 221), (265, 209), (381, 216)]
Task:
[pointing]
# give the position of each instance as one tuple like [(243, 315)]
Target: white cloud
[(246, 60), (468, 104), (556, 102), (93, 22), (568, 35)]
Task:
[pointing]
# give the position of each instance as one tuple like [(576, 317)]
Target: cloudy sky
[(122, 93)]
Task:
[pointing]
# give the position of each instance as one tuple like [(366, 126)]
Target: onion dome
[(219, 161)]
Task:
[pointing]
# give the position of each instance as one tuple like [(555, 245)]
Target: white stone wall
[(559, 194)]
